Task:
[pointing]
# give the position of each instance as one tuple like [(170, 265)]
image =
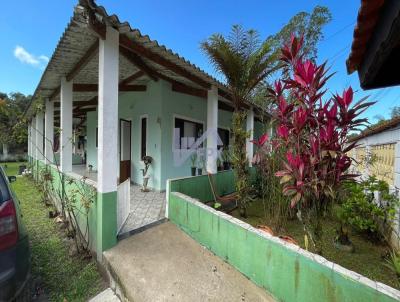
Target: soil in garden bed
[(368, 259)]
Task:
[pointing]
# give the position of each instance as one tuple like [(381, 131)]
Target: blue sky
[(31, 30)]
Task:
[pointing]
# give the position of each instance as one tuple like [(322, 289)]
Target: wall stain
[(296, 275)]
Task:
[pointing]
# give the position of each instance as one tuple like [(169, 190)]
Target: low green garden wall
[(199, 186), (72, 184), (286, 271)]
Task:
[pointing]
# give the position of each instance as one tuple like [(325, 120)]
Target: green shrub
[(360, 210)]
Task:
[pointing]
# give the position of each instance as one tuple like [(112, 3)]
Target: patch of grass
[(63, 277), (12, 168), (366, 260)]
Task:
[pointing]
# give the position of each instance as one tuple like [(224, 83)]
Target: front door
[(124, 150)]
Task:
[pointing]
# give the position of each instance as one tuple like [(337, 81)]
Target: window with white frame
[(186, 133)]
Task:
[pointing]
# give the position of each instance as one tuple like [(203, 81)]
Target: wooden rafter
[(140, 50), (98, 27), (182, 88), (95, 87), (91, 102), (132, 77), (55, 93), (138, 62), (90, 53), (225, 106)]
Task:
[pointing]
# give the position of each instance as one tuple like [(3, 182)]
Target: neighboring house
[(118, 96), (374, 55), (378, 152)]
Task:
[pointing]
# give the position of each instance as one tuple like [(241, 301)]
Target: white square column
[(33, 138), (212, 130), (250, 130), (49, 132), (107, 154), (29, 142), (66, 125), (39, 135)]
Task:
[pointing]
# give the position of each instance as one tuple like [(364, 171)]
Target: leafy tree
[(314, 131), (303, 24), (395, 111), (307, 25), (12, 128), (245, 61)]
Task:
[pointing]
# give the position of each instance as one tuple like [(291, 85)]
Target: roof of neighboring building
[(368, 16), (378, 128)]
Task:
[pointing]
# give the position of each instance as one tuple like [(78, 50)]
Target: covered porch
[(110, 94)]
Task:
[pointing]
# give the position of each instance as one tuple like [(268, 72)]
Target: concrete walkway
[(107, 295), (146, 208), (164, 264)]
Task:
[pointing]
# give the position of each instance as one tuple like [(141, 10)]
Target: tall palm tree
[(245, 62)]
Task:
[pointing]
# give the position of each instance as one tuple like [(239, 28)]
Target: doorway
[(125, 128)]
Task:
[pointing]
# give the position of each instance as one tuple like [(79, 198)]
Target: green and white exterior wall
[(161, 106), (159, 103)]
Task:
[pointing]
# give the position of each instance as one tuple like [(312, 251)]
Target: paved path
[(164, 264), (146, 208), (105, 296)]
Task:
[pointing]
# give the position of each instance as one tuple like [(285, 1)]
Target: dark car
[(14, 246)]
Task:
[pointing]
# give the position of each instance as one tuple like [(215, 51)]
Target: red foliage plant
[(313, 129)]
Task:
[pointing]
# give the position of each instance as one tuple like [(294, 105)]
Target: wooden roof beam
[(182, 88), (95, 87), (90, 53), (132, 77), (81, 103), (140, 50), (138, 62)]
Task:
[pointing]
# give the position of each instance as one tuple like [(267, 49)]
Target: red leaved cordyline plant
[(314, 133)]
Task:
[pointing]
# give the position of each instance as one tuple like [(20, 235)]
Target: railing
[(382, 165), (123, 203)]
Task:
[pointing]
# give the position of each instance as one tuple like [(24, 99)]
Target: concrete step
[(107, 295), (164, 264)]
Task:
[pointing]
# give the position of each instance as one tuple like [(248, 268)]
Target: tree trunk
[(5, 151), (240, 160)]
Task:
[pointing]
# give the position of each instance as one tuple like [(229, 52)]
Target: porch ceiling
[(79, 41), (141, 60)]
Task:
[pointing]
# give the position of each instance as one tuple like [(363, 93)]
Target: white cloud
[(25, 57)]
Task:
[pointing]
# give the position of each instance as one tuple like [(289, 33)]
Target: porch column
[(39, 135), (250, 129), (212, 130), (49, 132), (107, 154), (33, 138), (29, 142), (66, 125)]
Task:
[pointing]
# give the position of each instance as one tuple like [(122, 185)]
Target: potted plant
[(147, 160), (193, 160), (201, 164), (220, 166), (226, 159)]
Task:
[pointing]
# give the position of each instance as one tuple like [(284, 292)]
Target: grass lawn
[(12, 168), (367, 258), (62, 277)]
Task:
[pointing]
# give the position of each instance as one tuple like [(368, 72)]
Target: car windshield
[(4, 192)]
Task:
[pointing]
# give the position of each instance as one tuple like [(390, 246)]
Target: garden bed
[(57, 275), (368, 259)]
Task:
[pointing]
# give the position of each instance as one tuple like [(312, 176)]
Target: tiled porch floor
[(82, 170), (146, 208)]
